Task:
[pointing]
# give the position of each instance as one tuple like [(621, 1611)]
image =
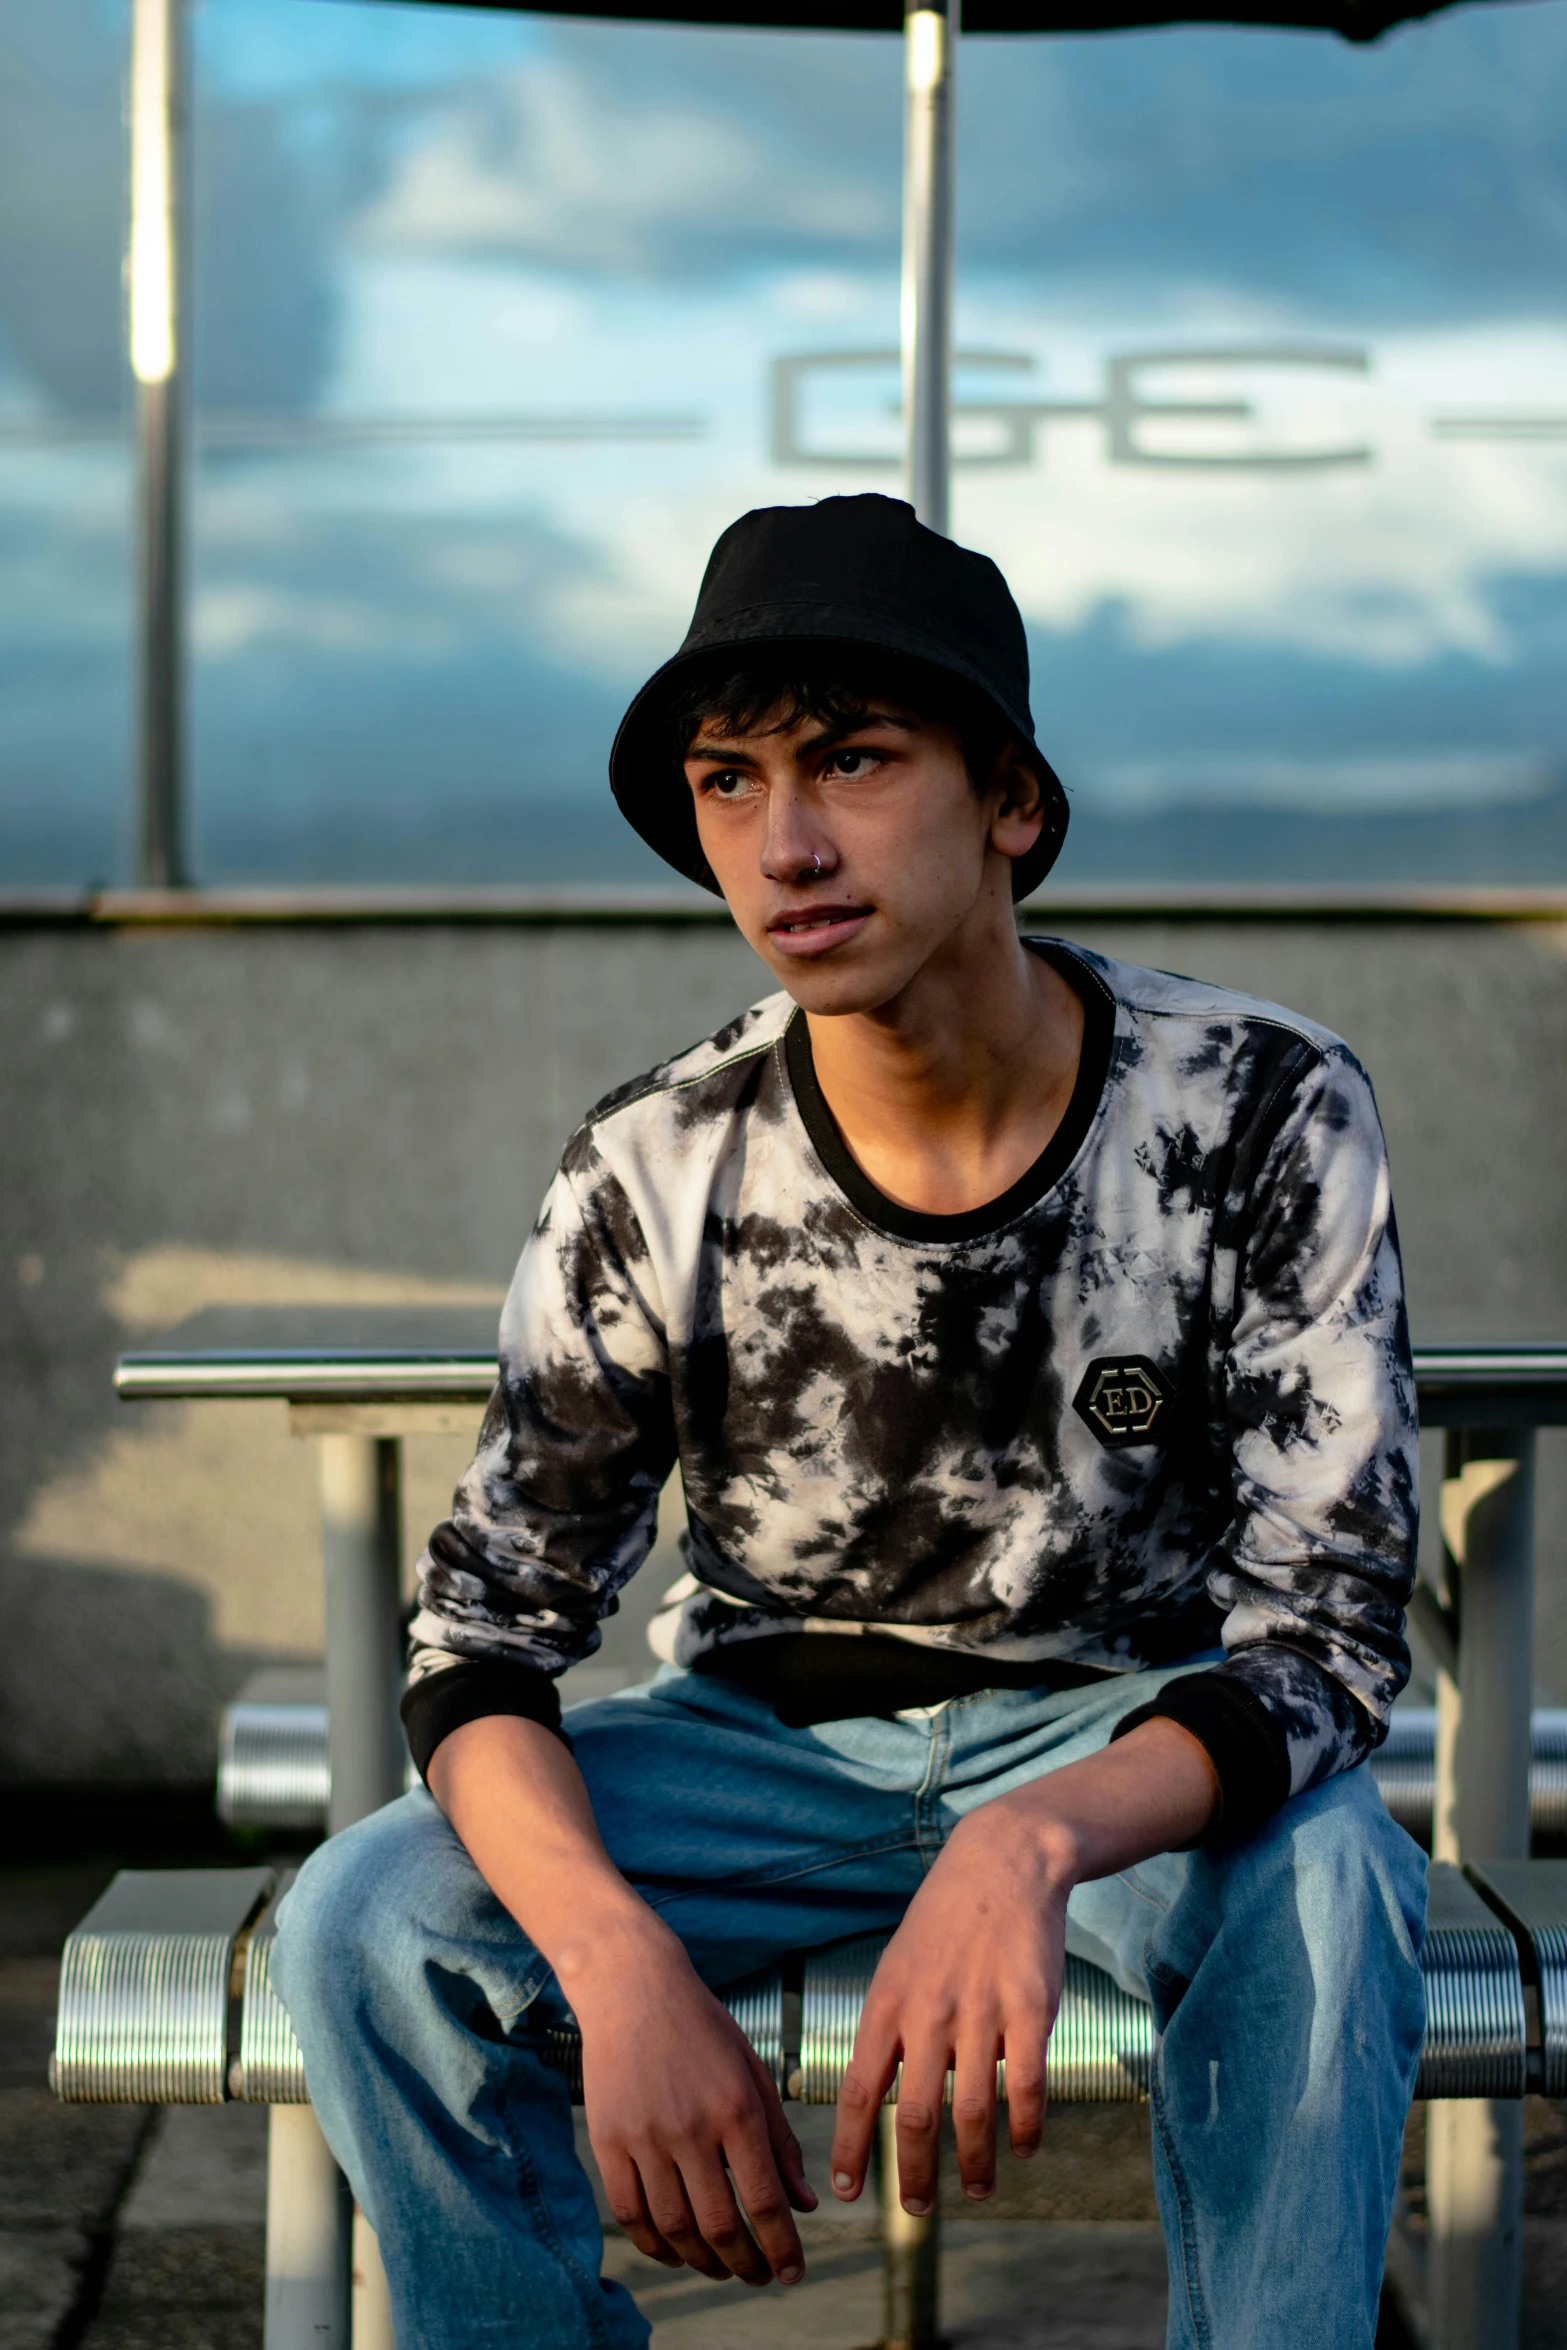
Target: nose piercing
[(816, 863)]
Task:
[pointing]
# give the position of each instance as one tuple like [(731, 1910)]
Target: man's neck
[(947, 1095)]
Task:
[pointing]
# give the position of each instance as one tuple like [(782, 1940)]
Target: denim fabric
[(1283, 1974)]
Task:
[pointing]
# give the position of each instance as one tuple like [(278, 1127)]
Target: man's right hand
[(687, 2127), (685, 2121)]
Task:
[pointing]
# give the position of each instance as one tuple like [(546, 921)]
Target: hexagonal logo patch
[(1124, 1399)]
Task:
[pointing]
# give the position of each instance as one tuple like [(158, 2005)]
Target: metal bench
[(274, 1753), (1405, 1770), (274, 1764), (274, 1770), (357, 1382), (166, 1997)]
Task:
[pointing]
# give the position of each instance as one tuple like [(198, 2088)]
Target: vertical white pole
[(930, 44), (361, 1534), (361, 1539), (911, 2258), (1474, 2146), (156, 277), (309, 2216), (371, 2301)]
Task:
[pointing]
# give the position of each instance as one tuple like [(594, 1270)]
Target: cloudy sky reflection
[(499, 321)]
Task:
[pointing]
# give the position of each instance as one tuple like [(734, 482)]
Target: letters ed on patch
[(1124, 1399)]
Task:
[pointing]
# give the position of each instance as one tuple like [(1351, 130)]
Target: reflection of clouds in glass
[(249, 49), (441, 212), (1412, 180), (654, 151), (1385, 564), (368, 582), (1426, 780)]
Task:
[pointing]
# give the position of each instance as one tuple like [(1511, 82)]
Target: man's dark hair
[(837, 690)]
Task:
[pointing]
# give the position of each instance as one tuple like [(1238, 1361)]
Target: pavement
[(137, 2229)]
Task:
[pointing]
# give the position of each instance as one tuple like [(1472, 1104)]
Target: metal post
[(309, 2213), (911, 2257), (157, 277), (361, 1540), (362, 1548), (1474, 2146), (372, 2302), (930, 31)]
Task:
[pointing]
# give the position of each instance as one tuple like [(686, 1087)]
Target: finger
[(672, 2215), (623, 2188), (1025, 2058), (785, 2145), (865, 2083), (717, 2214), (920, 2095), (764, 2199), (974, 2111)]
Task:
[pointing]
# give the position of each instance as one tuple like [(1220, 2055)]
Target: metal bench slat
[(145, 2016), (1475, 2040), (1100, 2053), (1532, 1896), (273, 1770), (145, 1985), (269, 2069), (1404, 1769)]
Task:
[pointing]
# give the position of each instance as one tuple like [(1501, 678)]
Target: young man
[(1028, 1331)]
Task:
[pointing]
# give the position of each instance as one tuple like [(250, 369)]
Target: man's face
[(850, 856)]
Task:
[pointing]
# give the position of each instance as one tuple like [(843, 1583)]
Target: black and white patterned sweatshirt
[(1155, 1398)]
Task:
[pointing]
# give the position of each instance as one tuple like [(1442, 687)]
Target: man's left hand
[(974, 1971)]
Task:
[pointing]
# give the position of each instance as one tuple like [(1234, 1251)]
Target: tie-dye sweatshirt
[(1155, 1399)]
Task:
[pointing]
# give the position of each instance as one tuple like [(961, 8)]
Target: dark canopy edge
[(1355, 20)]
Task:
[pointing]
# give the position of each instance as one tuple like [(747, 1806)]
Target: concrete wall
[(337, 1113)]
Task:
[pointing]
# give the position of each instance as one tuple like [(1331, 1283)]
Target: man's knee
[(1335, 1892), (1348, 1860), (355, 1905), (389, 1928), (1328, 1894)]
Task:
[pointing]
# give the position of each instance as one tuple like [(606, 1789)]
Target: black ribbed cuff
[(1242, 1739), (434, 1707)]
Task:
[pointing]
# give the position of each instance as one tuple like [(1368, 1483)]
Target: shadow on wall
[(118, 1675), (289, 1117), (178, 1546)]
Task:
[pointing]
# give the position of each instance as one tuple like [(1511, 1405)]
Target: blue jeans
[(1283, 1976)]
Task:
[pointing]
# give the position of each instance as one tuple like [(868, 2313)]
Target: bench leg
[(309, 2222), (1474, 2158), (1474, 2184), (361, 1541), (911, 2257), (372, 2301)]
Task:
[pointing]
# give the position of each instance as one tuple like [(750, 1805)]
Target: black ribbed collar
[(1053, 1161)]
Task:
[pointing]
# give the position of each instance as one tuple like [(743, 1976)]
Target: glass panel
[(489, 303), (500, 319), (1316, 632)]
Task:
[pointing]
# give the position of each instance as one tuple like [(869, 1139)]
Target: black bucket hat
[(846, 572)]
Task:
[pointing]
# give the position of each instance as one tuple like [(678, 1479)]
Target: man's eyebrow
[(730, 753), (836, 734), (734, 756)]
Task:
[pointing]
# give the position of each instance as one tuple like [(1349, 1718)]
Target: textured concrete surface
[(190, 2240), (328, 1115), (1010, 2287)]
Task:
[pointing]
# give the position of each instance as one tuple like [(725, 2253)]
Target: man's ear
[(1019, 801)]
